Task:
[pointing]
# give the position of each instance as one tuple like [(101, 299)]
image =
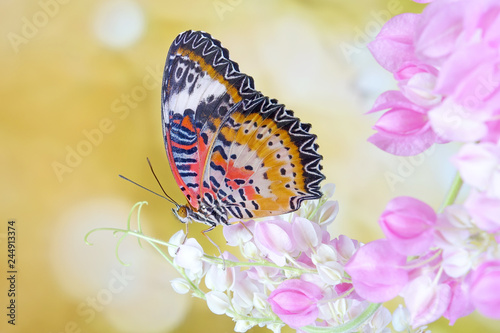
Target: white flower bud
[(401, 319), (251, 251), (328, 190), (327, 213), (180, 286), (340, 307), (260, 301), (176, 240), (331, 272), (324, 253), (242, 326), (218, 302), (276, 328)]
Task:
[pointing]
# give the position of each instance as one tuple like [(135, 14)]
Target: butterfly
[(233, 151)]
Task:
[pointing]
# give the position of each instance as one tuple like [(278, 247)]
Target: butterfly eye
[(182, 212)]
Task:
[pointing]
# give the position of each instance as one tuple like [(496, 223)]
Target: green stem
[(452, 192), (230, 263), (349, 326), (197, 291)]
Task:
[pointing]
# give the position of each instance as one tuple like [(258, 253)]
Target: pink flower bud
[(485, 211), (404, 130), (345, 247), (426, 300), (438, 30), (460, 304), (408, 224), (377, 271), (274, 239), (394, 44), (484, 287), (477, 163), (456, 262), (295, 302)]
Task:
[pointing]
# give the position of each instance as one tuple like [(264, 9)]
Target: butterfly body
[(233, 151)]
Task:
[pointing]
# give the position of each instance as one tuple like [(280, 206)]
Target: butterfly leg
[(243, 224), (204, 233)]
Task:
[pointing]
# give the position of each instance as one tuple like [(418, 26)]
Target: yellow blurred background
[(80, 94)]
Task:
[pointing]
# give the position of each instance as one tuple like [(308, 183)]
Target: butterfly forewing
[(200, 86), (229, 146)]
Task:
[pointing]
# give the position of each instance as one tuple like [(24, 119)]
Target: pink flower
[(460, 304), (453, 227), (493, 129), (345, 248), (417, 82), (408, 224), (469, 76), (189, 257), (307, 235), (244, 289), (437, 31), (454, 122), (420, 89), (420, 265), (295, 302), (221, 279), (378, 272), (426, 300), (404, 130), (274, 238), (456, 262), (343, 288), (484, 287), (484, 210), (394, 44), (477, 164), (238, 233)]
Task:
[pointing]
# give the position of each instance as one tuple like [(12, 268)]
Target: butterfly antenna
[(158, 181), (147, 189)]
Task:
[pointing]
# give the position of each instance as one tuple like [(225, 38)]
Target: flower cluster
[(447, 64), (441, 264), (292, 273), (446, 61)]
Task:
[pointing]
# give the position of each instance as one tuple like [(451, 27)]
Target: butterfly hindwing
[(264, 162)]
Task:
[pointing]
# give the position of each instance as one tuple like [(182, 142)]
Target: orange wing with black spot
[(264, 161), (228, 143)]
